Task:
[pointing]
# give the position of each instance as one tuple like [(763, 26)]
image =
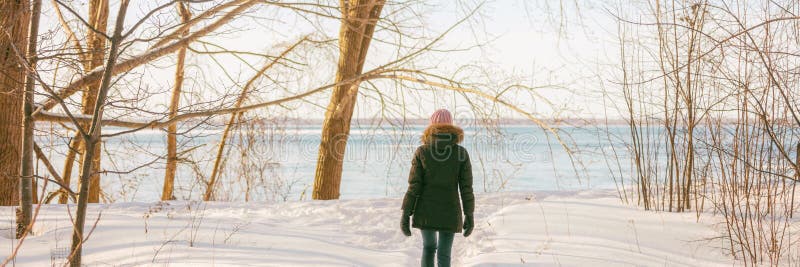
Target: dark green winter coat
[(440, 171)]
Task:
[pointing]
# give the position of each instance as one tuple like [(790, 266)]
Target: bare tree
[(26, 185), (96, 46), (359, 18), (709, 90), (91, 58), (172, 130), (91, 138)]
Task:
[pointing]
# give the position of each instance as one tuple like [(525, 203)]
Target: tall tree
[(91, 59), (91, 138), (172, 138), (359, 18), (13, 34), (26, 183), (96, 46)]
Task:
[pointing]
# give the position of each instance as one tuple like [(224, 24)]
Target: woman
[(439, 171)]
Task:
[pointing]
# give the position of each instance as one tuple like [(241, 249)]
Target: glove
[(469, 224), (405, 225)]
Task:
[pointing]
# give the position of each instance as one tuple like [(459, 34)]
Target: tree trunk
[(69, 161), (92, 138), (98, 19), (355, 33), (172, 140), (93, 58), (26, 183), (14, 19)]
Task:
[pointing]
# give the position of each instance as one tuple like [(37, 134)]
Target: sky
[(564, 47)]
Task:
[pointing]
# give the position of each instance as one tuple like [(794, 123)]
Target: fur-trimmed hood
[(442, 131)]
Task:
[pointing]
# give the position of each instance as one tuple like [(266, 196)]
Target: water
[(280, 165)]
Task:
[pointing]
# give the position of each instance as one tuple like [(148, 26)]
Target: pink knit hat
[(441, 116)]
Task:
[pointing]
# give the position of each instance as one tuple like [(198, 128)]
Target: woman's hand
[(405, 225), (469, 224)]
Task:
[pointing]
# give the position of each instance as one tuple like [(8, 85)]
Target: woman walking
[(440, 171)]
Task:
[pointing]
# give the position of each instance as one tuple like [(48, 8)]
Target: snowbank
[(541, 229)]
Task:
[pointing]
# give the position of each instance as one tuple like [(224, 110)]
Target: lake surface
[(281, 160)]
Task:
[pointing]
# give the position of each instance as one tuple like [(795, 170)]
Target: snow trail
[(527, 228)]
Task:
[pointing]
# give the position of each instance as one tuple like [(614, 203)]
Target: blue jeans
[(430, 247)]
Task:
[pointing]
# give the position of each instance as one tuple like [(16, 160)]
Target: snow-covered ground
[(538, 229)]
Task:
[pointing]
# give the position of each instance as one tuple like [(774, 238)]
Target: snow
[(590, 228)]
